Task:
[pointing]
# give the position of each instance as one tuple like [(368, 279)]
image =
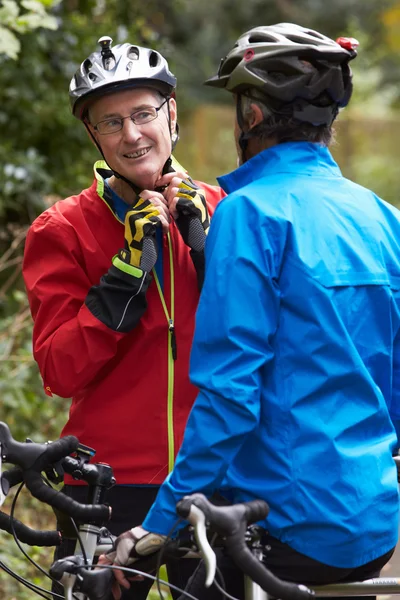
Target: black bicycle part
[(231, 523), (34, 458), (10, 478), (26, 535), (96, 584)]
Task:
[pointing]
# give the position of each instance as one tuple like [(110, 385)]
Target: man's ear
[(90, 130), (256, 116), (173, 113)]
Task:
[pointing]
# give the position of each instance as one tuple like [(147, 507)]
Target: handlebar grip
[(13, 476), (72, 508), (32, 477), (256, 510), (55, 452), (224, 519), (18, 453), (27, 535), (10, 478)]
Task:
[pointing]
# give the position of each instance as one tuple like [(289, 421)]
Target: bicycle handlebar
[(34, 458), (231, 522), (27, 535)]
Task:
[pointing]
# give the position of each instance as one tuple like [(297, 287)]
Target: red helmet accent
[(248, 55), (348, 43)]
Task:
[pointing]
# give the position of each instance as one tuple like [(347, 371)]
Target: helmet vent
[(87, 65), (154, 59), (300, 40), (228, 67), (316, 34), (133, 53), (92, 76), (261, 38)]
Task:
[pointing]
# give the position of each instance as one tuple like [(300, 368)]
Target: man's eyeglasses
[(139, 117)]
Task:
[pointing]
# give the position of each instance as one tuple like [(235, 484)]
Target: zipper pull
[(171, 329)]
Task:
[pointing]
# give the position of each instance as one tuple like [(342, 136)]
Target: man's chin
[(143, 178)]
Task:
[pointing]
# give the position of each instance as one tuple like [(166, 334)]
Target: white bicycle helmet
[(113, 69)]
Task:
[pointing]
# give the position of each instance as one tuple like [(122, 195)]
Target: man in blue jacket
[(297, 345)]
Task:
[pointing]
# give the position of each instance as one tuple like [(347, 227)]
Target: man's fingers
[(164, 215), (116, 591), (164, 223), (162, 207), (106, 559), (168, 177), (172, 208), (151, 195), (121, 579)]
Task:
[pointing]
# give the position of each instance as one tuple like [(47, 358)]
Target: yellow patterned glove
[(140, 236), (193, 221)]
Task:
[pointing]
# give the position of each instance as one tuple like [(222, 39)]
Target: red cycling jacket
[(130, 398)]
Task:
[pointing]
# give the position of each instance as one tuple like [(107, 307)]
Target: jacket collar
[(304, 158)]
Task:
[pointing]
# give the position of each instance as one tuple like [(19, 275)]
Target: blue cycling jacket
[(297, 358)]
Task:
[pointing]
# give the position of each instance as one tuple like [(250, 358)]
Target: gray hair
[(280, 127)]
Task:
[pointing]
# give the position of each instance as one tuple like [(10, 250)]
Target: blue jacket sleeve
[(394, 408), (236, 321)]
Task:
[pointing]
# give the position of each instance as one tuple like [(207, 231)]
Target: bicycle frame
[(90, 533), (369, 587)]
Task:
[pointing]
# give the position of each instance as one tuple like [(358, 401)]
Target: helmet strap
[(167, 167), (243, 139), (134, 187)]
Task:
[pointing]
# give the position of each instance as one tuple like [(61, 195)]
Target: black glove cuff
[(199, 261), (119, 300)]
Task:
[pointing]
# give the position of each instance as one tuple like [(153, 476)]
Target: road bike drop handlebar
[(31, 459), (229, 522)]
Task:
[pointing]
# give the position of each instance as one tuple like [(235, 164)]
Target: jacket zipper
[(172, 354)]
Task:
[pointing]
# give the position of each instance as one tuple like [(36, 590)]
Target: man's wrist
[(127, 268)]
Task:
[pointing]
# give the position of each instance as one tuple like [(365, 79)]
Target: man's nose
[(130, 130)]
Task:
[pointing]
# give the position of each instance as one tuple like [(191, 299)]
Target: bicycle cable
[(36, 588), (80, 541), (143, 574), (31, 586), (222, 588), (160, 556)]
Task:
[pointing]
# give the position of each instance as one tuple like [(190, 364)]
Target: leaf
[(9, 11), (33, 6), (9, 43), (31, 21)]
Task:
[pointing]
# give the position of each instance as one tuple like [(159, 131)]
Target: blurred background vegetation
[(45, 153)]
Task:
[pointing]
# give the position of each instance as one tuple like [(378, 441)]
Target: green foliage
[(24, 405), (15, 21), (37, 516)]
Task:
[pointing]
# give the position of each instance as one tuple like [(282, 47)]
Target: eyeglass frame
[(131, 117)]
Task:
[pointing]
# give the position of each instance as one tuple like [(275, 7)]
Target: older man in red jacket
[(113, 275)]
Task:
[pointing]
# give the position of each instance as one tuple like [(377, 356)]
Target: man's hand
[(187, 205), (130, 546), (160, 203), (141, 222)]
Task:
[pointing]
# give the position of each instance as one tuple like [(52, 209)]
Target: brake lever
[(197, 518), (65, 571)]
